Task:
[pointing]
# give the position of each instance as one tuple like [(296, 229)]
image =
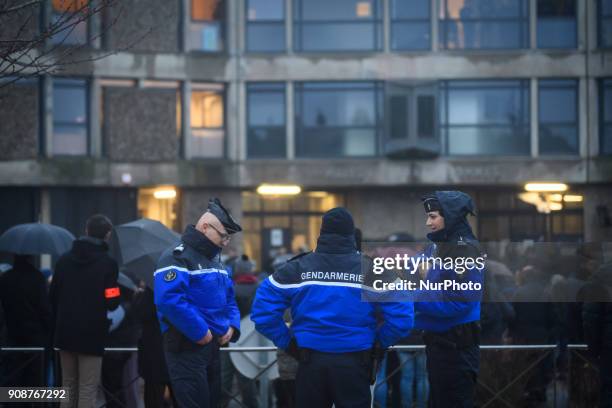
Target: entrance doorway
[(277, 227), (160, 203)]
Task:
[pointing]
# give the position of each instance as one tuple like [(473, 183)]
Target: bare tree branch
[(26, 52)]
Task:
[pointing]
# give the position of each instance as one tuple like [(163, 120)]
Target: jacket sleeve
[(233, 314), (398, 321), (171, 281), (112, 293), (449, 303), (271, 301)]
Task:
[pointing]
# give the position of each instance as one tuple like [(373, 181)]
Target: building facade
[(361, 103)]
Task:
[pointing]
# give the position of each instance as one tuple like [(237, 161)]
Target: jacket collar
[(198, 241), (336, 244)]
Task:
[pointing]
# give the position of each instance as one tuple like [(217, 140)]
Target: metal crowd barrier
[(496, 395)]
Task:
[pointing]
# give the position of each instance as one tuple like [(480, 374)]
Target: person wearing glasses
[(195, 301)]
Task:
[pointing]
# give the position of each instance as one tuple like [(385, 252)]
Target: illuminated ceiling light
[(545, 187), (364, 9), (555, 206), (530, 198), (164, 193), (573, 198), (279, 189), (318, 194), (556, 197)]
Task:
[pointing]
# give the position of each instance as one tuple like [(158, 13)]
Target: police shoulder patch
[(170, 276)]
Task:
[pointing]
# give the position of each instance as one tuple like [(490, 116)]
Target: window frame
[(221, 89), (600, 23), (87, 41), (250, 23), (403, 20), (87, 87), (575, 38), (443, 114), (603, 84), (575, 88), (223, 31), (522, 21), (299, 23), (282, 88), (377, 87)]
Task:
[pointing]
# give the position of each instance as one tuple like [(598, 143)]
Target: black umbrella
[(137, 246), (36, 239)]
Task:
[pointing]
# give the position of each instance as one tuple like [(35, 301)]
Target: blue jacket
[(324, 291), (193, 291), (439, 311)]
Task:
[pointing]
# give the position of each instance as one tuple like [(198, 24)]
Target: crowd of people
[(324, 330)]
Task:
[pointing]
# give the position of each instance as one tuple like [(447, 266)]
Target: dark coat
[(80, 299), (597, 312), (534, 322), (151, 359), (23, 292)]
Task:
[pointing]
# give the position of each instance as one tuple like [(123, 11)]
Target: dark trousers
[(342, 379), (154, 394), (195, 375), (452, 376), (112, 378), (605, 376)]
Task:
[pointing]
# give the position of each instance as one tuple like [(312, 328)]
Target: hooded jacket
[(193, 290), (83, 289), (324, 291), (439, 311)]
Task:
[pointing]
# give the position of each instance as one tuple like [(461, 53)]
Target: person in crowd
[(534, 323), (333, 331), (84, 288), (245, 285), (597, 321), (151, 359), (450, 317), (124, 333), (23, 293), (194, 296)]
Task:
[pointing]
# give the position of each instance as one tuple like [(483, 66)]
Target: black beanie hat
[(431, 203), (338, 221)]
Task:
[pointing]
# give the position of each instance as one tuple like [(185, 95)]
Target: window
[(485, 117), (70, 111), (338, 119), (339, 25), (410, 25), (605, 23), (558, 116), (606, 116), (207, 121), (205, 30), (69, 21), (266, 120), (557, 24), (265, 30), (484, 24)]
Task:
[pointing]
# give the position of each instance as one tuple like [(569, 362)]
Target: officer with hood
[(333, 330), (194, 295), (450, 317)]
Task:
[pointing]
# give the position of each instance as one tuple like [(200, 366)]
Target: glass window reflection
[(485, 117), (338, 119), (339, 25), (266, 120), (484, 24)]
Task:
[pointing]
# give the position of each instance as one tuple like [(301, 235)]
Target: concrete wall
[(19, 132), (21, 24), (140, 125), (143, 25)]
